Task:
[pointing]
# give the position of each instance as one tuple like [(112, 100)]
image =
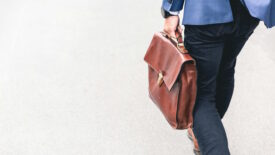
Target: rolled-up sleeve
[(172, 5)]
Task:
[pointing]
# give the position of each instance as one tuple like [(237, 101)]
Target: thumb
[(173, 34), (170, 33)]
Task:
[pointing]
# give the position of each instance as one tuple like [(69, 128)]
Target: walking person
[(215, 31)]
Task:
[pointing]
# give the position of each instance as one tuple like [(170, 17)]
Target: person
[(263, 10), (215, 32)]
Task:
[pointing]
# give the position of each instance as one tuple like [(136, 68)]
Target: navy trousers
[(215, 48)]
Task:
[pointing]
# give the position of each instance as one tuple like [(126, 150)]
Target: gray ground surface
[(73, 82)]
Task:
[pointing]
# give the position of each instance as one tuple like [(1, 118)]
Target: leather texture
[(175, 97)]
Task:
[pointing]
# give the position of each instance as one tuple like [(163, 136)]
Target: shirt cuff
[(174, 12)]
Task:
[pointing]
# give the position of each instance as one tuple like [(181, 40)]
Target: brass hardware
[(160, 79), (179, 45)]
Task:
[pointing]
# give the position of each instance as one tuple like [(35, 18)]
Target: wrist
[(166, 14)]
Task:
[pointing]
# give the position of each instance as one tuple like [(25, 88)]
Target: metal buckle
[(160, 79)]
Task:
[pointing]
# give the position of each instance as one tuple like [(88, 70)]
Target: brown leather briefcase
[(172, 79)]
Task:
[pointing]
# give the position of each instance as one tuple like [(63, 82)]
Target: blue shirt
[(202, 12), (262, 9)]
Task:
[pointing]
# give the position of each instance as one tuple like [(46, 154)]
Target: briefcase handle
[(178, 42)]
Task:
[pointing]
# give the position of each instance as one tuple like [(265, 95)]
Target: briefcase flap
[(163, 56)]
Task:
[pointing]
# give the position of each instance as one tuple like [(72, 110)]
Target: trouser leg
[(225, 78), (244, 27), (206, 46), (215, 48)]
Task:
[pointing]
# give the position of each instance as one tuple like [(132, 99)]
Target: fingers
[(171, 25), (170, 31), (172, 34), (179, 29), (179, 32)]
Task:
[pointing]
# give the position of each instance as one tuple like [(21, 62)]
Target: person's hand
[(172, 26)]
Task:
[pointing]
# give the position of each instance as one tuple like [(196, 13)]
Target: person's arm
[(172, 5), (170, 11)]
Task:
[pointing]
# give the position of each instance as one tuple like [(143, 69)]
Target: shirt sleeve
[(172, 5)]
